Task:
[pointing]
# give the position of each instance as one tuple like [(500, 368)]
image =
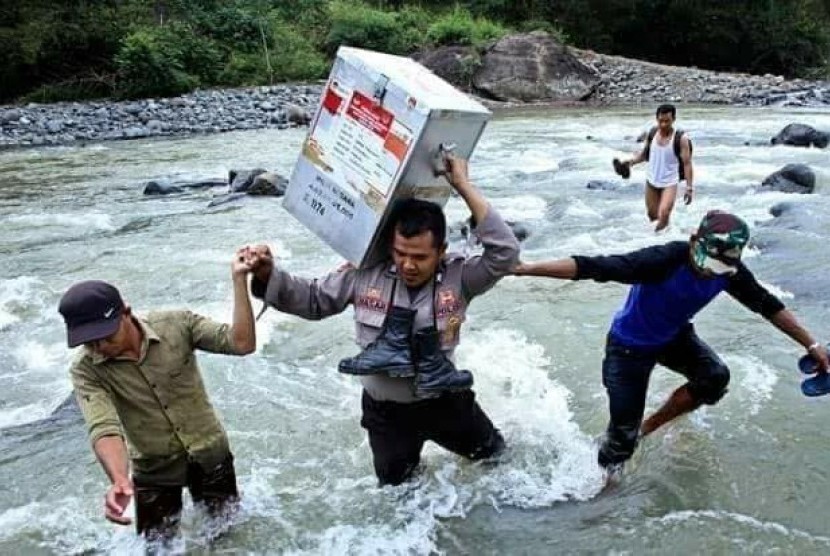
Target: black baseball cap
[(91, 310)]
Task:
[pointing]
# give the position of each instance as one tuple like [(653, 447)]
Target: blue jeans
[(625, 375)]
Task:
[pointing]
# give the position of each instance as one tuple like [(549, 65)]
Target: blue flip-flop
[(816, 386), (807, 365)]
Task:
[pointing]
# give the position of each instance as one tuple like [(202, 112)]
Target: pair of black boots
[(398, 352)]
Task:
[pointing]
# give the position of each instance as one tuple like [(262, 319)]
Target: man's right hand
[(260, 260), (116, 501)]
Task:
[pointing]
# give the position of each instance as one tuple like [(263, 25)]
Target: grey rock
[(54, 126), (801, 135), (297, 114), (10, 115), (519, 229), (533, 67), (226, 198), (133, 108), (792, 178), (454, 64), (603, 185), (161, 187), (242, 181), (134, 132), (268, 183)]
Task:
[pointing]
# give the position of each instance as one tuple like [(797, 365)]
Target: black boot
[(436, 373), (390, 353)]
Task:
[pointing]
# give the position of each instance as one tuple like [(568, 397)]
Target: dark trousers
[(625, 375), (158, 507), (397, 432)]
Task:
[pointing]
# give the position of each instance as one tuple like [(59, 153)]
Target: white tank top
[(663, 165)]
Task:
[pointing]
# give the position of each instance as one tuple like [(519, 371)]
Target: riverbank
[(623, 81), (211, 111)]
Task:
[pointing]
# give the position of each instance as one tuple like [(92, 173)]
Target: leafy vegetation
[(131, 48)]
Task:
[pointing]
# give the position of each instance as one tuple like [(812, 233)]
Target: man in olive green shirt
[(141, 393)]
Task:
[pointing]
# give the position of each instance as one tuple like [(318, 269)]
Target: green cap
[(721, 238)]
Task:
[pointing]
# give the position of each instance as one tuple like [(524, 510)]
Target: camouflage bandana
[(721, 238)]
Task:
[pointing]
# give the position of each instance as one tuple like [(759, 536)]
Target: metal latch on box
[(439, 163), (380, 88)]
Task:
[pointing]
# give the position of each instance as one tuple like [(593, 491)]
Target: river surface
[(749, 475)]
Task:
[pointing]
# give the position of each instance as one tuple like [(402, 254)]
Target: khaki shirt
[(458, 281), (158, 404)]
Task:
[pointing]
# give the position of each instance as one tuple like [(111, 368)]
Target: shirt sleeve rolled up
[(96, 405)]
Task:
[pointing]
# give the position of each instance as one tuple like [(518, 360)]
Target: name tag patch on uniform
[(372, 299), (448, 303)]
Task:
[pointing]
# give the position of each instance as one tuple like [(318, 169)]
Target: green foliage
[(554, 31), (290, 57), (308, 16), (293, 56), (54, 50), (356, 24), (460, 27), (150, 64), (76, 89)]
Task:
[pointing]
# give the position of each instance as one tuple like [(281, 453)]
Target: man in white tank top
[(663, 174)]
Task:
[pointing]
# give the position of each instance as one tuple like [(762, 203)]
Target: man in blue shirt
[(670, 284)]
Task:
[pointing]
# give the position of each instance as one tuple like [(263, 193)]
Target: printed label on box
[(358, 142)]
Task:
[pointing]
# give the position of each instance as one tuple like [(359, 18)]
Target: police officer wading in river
[(137, 380), (669, 284), (408, 315)]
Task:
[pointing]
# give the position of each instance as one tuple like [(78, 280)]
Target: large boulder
[(792, 178), (455, 64), (801, 135), (533, 67)]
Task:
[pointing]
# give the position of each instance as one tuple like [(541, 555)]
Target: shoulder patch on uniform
[(372, 298)]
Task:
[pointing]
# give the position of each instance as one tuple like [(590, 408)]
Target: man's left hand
[(819, 353), (689, 194), (241, 263), (457, 170)]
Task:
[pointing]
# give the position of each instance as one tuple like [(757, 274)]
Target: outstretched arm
[(648, 265), (786, 322), (745, 288), (243, 331), (559, 268), (312, 299)]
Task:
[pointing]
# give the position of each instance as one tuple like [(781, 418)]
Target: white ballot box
[(376, 137)]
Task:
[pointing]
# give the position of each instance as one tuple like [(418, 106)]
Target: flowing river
[(749, 475)]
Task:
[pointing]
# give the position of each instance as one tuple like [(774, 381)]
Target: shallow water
[(746, 476)]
